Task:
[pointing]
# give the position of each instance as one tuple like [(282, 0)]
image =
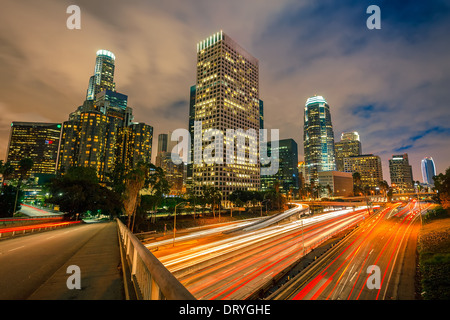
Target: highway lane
[(27, 262), (348, 275), (233, 266)]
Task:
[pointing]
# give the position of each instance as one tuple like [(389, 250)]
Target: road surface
[(233, 266), (33, 266), (376, 263)]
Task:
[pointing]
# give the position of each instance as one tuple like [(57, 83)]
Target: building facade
[(401, 174), (428, 171), (340, 183), (37, 141), (102, 132), (318, 137), (287, 175), (103, 78), (226, 97), (369, 168), (349, 146)]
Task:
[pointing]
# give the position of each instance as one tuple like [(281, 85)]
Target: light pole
[(175, 223), (418, 203)]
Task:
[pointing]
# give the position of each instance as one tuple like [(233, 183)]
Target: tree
[(442, 186), (134, 182), (6, 169), (8, 194), (356, 183), (78, 191), (384, 187)]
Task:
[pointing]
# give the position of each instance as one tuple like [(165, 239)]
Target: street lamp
[(175, 222)]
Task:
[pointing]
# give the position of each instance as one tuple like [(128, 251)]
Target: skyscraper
[(37, 141), (318, 137), (349, 146), (226, 97), (190, 163), (428, 170), (401, 173), (103, 78), (287, 175), (101, 133)]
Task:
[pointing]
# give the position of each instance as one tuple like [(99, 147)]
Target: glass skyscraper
[(428, 170), (103, 78), (287, 175), (318, 137)]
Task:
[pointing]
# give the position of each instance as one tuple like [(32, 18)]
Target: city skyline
[(385, 84)]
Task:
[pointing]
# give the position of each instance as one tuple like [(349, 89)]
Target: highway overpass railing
[(150, 278)]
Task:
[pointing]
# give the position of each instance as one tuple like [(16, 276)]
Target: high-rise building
[(134, 145), (349, 146), (287, 175), (101, 132), (226, 97), (428, 170), (103, 78), (369, 168), (401, 174), (37, 141), (190, 163), (318, 137)]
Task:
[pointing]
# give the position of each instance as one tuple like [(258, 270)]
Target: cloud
[(389, 84)]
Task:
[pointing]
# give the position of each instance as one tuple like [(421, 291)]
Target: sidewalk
[(100, 273)]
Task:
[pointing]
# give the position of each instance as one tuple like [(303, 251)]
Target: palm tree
[(134, 182), (356, 183), (384, 187)]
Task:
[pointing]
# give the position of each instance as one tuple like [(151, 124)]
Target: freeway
[(32, 211), (233, 266), (373, 263)]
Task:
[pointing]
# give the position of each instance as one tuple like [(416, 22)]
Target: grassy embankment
[(434, 255)]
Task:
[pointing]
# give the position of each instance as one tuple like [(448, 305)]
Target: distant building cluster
[(101, 133)]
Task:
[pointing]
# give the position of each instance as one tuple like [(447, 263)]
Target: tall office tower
[(261, 114), (133, 145), (92, 142), (401, 173), (428, 170), (349, 146), (287, 175), (37, 141), (190, 162), (101, 132), (114, 106), (103, 78), (318, 137), (369, 168), (227, 97), (162, 143)]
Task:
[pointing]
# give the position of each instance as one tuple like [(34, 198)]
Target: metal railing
[(151, 279)]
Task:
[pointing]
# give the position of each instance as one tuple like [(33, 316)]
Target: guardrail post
[(134, 262), (154, 290)]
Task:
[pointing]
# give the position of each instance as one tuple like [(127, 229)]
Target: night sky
[(391, 85)]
